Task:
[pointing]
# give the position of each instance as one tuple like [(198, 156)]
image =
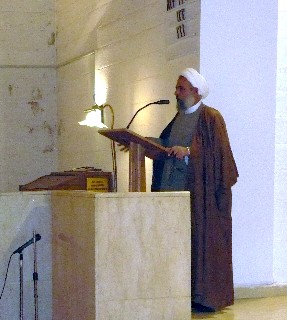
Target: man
[(201, 161)]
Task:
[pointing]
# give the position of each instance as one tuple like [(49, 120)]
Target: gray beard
[(180, 105), (183, 105)]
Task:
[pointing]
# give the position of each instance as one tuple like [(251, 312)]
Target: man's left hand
[(178, 151)]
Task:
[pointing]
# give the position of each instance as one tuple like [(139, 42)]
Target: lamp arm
[(113, 149), (112, 112)]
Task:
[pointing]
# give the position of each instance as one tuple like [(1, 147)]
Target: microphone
[(156, 102), (26, 244), (161, 102)]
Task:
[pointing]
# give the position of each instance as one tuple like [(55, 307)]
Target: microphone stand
[(35, 277), (36, 237), (21, 284)]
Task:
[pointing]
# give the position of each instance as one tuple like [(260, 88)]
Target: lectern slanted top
[(139, 148)]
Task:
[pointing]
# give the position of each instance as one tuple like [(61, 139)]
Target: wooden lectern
[(139, 148)]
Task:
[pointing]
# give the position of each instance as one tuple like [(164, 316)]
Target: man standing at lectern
[(201, 161)]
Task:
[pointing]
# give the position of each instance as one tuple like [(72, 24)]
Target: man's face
[(186, 94)]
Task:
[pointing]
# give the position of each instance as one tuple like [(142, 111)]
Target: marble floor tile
[(271, 308)]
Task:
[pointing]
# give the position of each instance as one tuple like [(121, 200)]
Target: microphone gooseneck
[(155, 102), (28, 243)]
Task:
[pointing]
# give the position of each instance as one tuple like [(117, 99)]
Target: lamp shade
[(93, 119)]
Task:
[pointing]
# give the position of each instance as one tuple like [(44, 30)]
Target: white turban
[(196, 81)]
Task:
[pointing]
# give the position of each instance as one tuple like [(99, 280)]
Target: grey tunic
[(174, 171)]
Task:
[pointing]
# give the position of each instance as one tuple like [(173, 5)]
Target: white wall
[(133, 65), (238, 57), (280, 221), (76, 42), (27, 92)]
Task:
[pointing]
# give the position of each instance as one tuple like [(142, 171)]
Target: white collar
[(192, 108)]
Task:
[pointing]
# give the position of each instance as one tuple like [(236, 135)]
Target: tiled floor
[(274, 308)]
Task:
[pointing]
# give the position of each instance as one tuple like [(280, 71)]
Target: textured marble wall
[(28, 132), (143, 256), (101, 256)]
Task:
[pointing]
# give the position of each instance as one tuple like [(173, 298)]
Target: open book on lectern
[(124, 137)]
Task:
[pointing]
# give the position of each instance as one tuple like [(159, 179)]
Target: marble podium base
[(102, 255)]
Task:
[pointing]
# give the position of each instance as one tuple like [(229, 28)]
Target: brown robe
[(211, 174)]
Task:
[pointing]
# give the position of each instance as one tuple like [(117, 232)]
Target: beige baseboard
[(260, 291)]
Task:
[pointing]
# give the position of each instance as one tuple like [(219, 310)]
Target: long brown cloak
[(211, 174)]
